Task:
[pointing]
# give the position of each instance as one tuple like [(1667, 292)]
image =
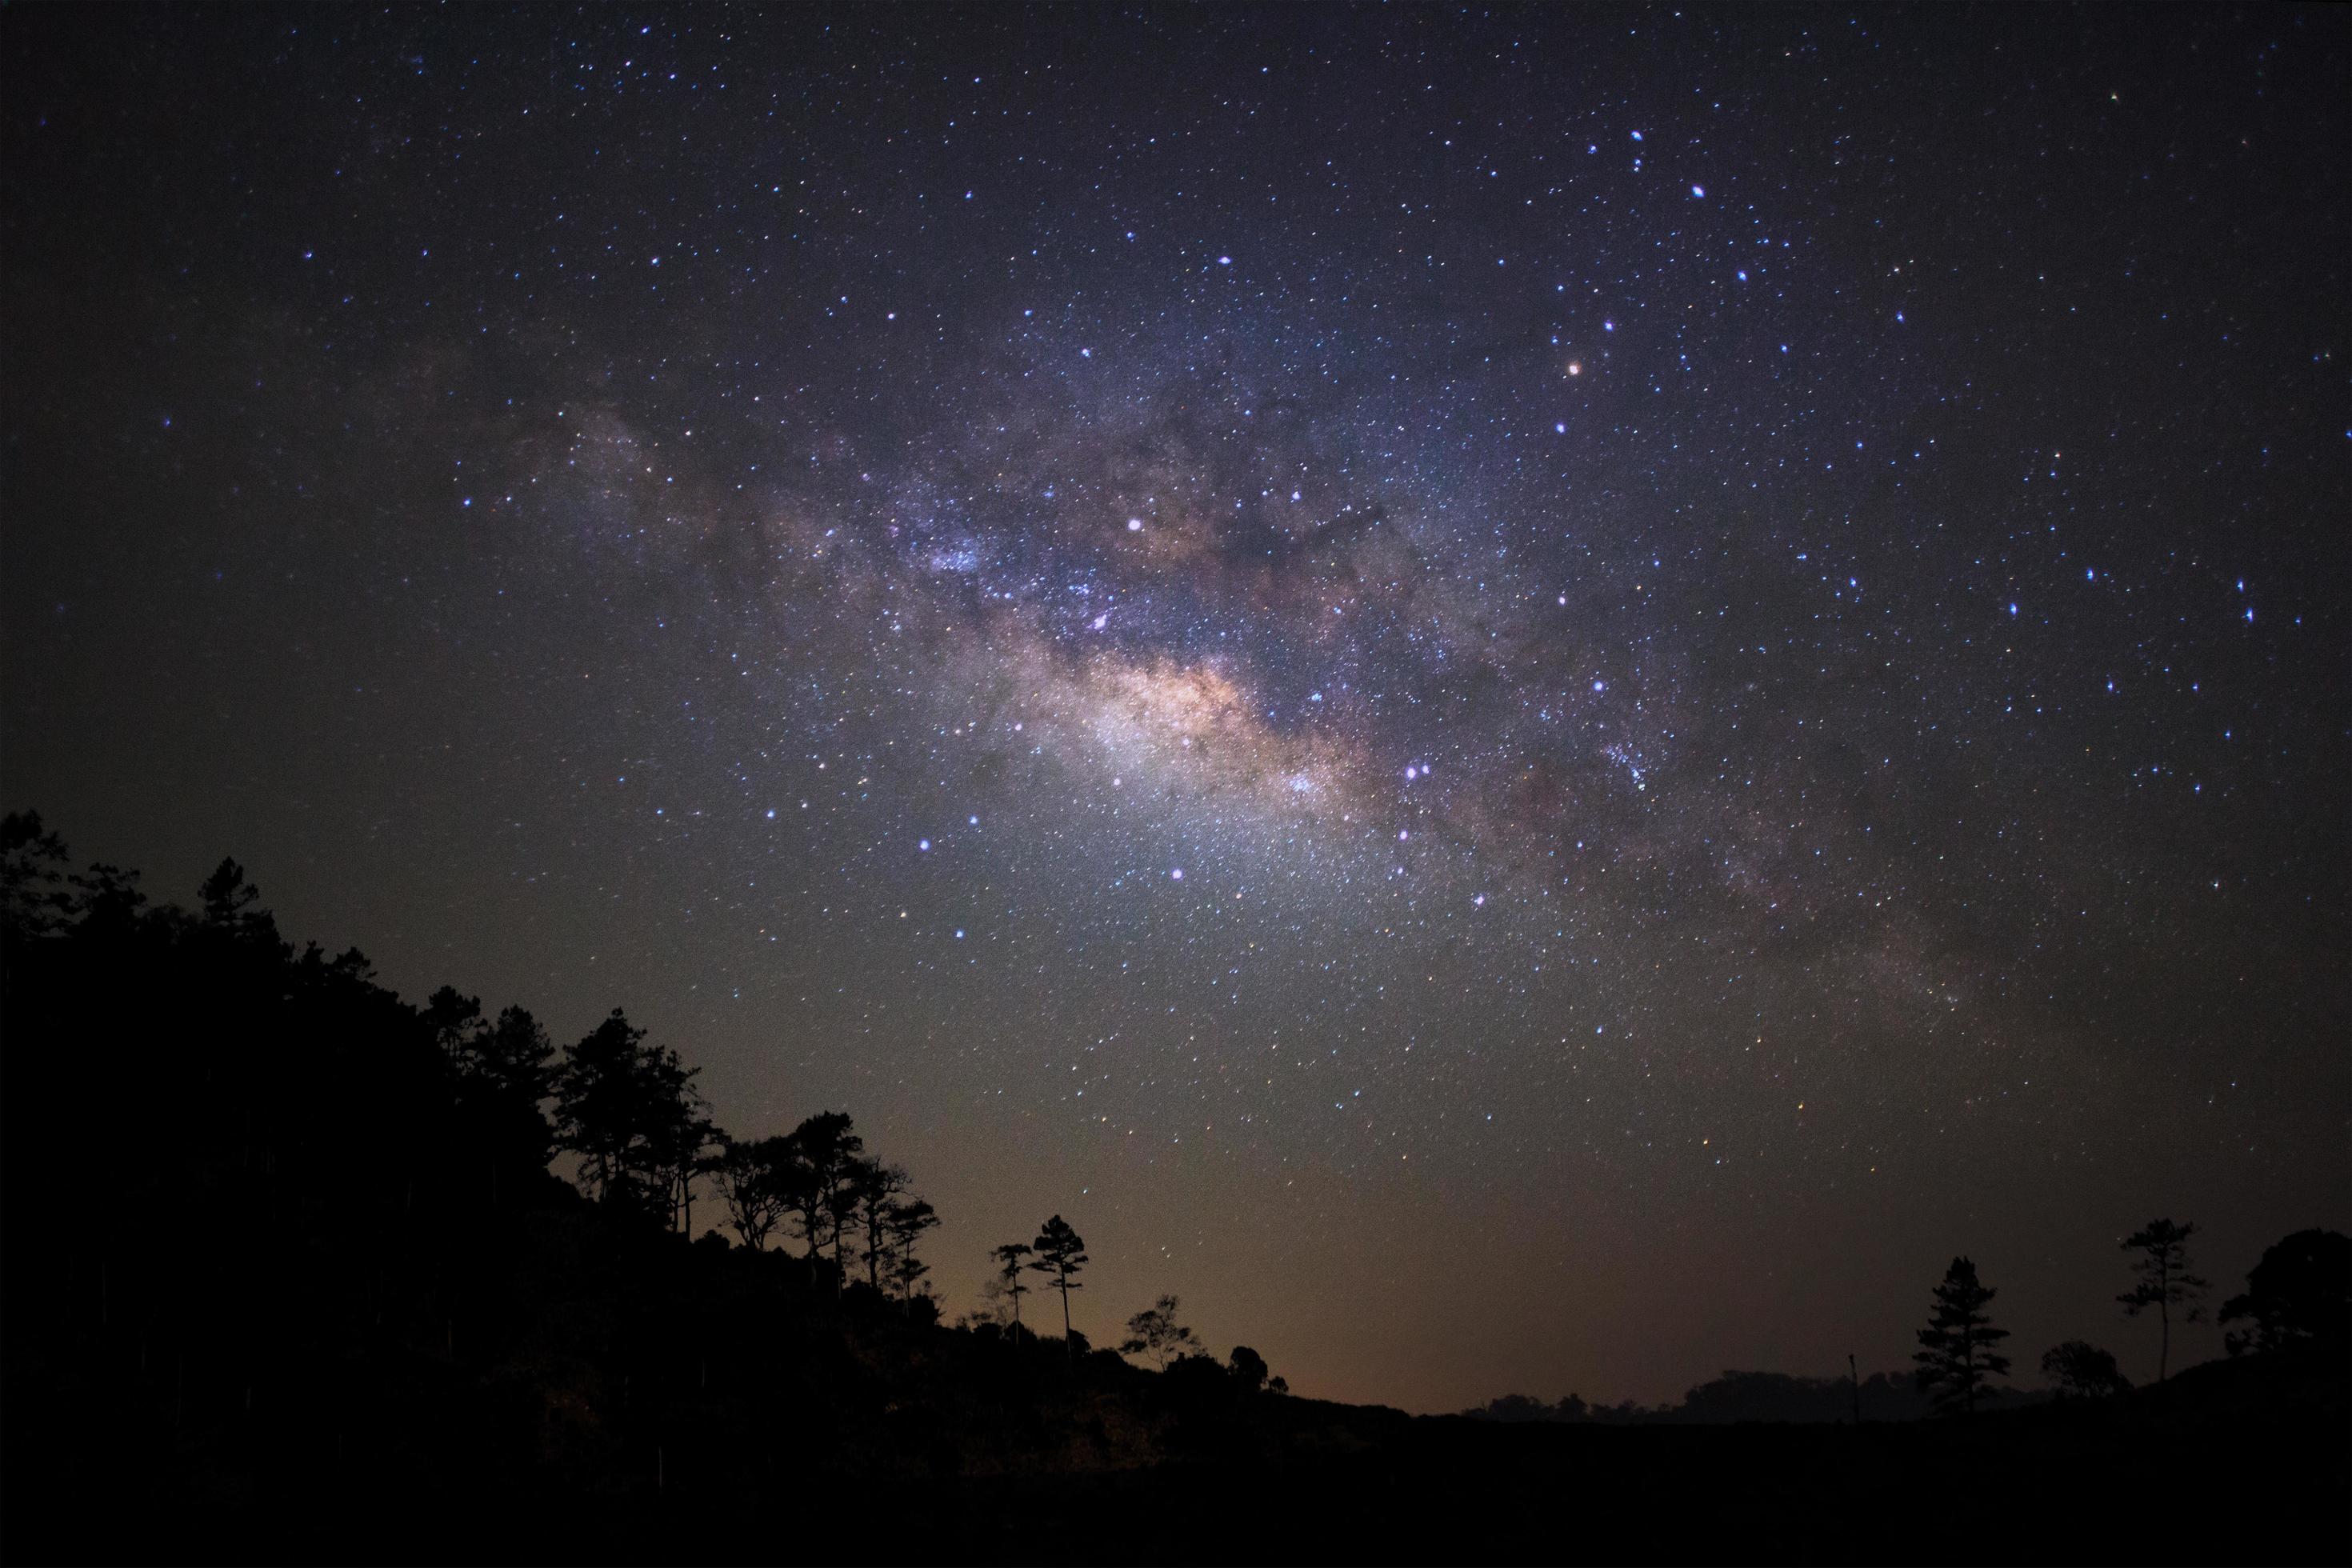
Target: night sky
[(1526, 699)]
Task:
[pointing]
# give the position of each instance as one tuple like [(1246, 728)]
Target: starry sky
[(1528, 700)]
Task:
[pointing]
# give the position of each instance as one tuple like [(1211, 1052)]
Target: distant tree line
[(2298, 1296), (1732, 1396)]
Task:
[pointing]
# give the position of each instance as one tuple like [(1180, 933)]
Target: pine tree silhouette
[(1060, 1256), (2165, 1282), (1010, 1262), (1956, 1356)]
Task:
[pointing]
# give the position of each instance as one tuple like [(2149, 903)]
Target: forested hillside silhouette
[(296, 1268)]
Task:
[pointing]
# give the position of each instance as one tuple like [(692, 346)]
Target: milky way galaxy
[(1530, 700)]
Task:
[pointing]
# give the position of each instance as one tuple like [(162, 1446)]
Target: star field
[(1528, 698)]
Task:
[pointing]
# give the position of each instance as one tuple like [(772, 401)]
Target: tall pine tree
[(1009, 1265), (1955, 1355), (1060, 1255), (2165, 1282)]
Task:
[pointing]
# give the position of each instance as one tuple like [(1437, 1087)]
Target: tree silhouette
[(35, 896), (500, 1076), (453, 1019), (1009, 1265), (750, 1188), (2300, 1293), (800, 1193), (907, 1223), (1155, 1332), (1956, 1356), (230, 903), (630, 1112), (824, 1147), (2080, 1371), (1060, 1256), (2165, 1281), (599, 1104), (872, 1189), (841, 1213), (1248, 1367), (514, 1055), (682, 1140), (508, 1074)]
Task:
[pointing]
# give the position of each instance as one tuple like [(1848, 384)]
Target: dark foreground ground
[(2233, 1463)]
